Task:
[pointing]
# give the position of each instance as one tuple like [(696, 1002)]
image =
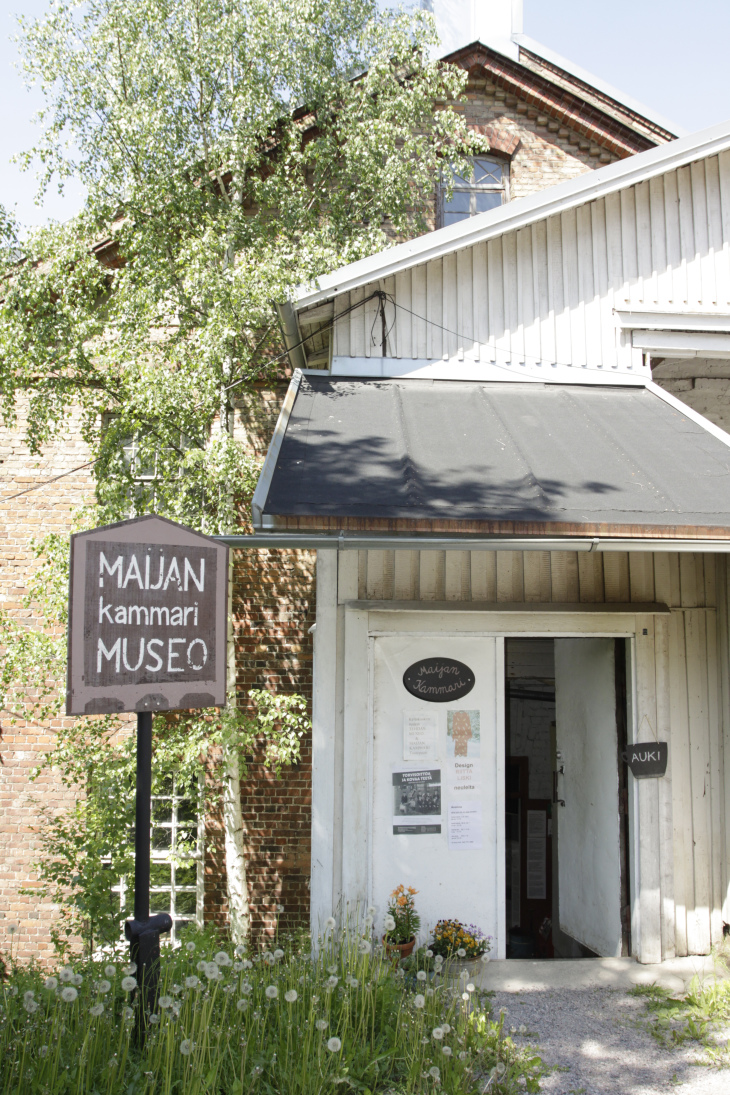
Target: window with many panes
[(177, 863), (486, 189)]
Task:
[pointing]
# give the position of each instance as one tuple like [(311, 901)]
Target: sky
[(669, 54)]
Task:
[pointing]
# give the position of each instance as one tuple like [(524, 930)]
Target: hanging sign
[(148, 619), (647, 759), (438, 680)]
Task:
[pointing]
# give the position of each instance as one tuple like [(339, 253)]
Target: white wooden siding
[(544, 295), (683, 690)]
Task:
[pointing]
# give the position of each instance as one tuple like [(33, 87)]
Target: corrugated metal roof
[(508, 457)]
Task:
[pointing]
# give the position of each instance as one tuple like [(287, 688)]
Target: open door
[(586, 830)]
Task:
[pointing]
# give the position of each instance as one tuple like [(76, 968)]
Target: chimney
[(493, 22)]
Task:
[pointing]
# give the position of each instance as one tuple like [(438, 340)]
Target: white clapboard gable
[(540, 288)]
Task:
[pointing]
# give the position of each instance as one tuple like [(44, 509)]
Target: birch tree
[(229, 150)]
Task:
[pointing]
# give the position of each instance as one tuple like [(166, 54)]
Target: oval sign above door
[(438, 680)]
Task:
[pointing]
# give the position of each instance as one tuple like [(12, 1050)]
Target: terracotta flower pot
[(399, 950)]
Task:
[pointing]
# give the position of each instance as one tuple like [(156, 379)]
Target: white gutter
[(518, 214), (329, 541)]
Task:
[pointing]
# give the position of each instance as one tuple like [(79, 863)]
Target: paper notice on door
[(416, 801), (419, 737), (465, 778), (536, 854), (465, 826)]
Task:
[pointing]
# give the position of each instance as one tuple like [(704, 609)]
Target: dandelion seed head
[(278, 954), (239, 950), (12, 928), (186, 1047), (77, 979), (485, 958), (154, 1019), (127, 1013), (110, 970), (331, 982), (130, 969), (290, 996), (435, 1072), (211, 971), (29, 995), (364, 946), (332, 969), (389, 924), (222, 959), (165, 1002), (104, 987), (419, 1001), (50, 983), (446, 1050), (271, 992), (30, 1006), (421, 975), (69, 994), (470, 987), (96, 1010), (66, 974), (429, 953), (129, 984), (189, 947), (446, 1028), (192, 981), (280, 908), (437, 1033), (42, 1051), (246, 988), (330, 922), (334, 1045), (429, 991), (522, 1028), (321, 1024), (247, 964)]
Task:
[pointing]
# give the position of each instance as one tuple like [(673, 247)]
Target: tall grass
[(288, 1020)]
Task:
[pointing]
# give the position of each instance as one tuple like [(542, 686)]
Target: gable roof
[(519, 214)]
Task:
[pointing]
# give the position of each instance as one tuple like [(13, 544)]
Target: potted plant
[(401, 922), (452, 939)]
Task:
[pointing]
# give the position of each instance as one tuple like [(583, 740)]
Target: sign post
[(147, 632)]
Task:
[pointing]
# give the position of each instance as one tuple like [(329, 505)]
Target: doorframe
[(365, 621)]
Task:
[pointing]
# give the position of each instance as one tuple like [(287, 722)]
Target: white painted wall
[(458, 884), (587, 827)]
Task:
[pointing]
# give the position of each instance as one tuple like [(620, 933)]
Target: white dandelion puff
[(421, 975), (470, 987), (429, 991), (446, 1028), (446, 1050), (154, 1019), (247, 964), (437, 1033), (50, 983), (66, 974), (221, 959), (330, 922), (246, 988), (165, 1002), (522, 1028), (240, 950), (461, 952), (211, 971), (271, 992), (31, 1005), (290, 996), (42, 1051), (331, 982), (129, 984), (364, 946), (439, 960), (278, 953), (77, 979), (280, 908), (419, 1001), (186, 1047), (189, 947), (242, 1005), (485, 958), (127, 1013), (29, 995), (332, 969), (192, 982), (321, 1024), (103, 987), (371, 910), (96, 1010), (130, 969), (69, 994), (110, 970), (429, 953), (389, 924), (435, 1072), (334, 1045)]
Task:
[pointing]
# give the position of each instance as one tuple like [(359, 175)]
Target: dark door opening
[(544, 763)]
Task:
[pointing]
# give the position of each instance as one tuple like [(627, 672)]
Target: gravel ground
[(593, 1041)]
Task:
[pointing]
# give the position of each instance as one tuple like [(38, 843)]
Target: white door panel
[(464, 883), (587, 827)]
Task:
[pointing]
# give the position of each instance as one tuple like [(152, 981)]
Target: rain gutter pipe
[(327, 541)]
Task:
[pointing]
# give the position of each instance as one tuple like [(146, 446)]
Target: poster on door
[(463, 734), (416, 801), (465, 826)]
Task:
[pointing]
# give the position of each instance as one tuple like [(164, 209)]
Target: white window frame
[(473, 188)]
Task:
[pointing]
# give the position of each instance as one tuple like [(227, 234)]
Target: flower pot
[(399, 950)]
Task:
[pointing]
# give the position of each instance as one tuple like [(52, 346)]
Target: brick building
[(546, 122)]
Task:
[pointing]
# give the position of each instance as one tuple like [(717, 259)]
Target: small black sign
[(438, 680), (647, 759)]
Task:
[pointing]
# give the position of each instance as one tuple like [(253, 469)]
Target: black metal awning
[(530, 459)]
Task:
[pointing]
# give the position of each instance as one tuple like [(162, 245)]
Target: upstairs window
[(486, 189)]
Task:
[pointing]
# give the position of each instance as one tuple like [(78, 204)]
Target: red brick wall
[(33, 515)]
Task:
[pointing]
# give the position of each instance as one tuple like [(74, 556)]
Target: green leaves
[(229, 153)]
